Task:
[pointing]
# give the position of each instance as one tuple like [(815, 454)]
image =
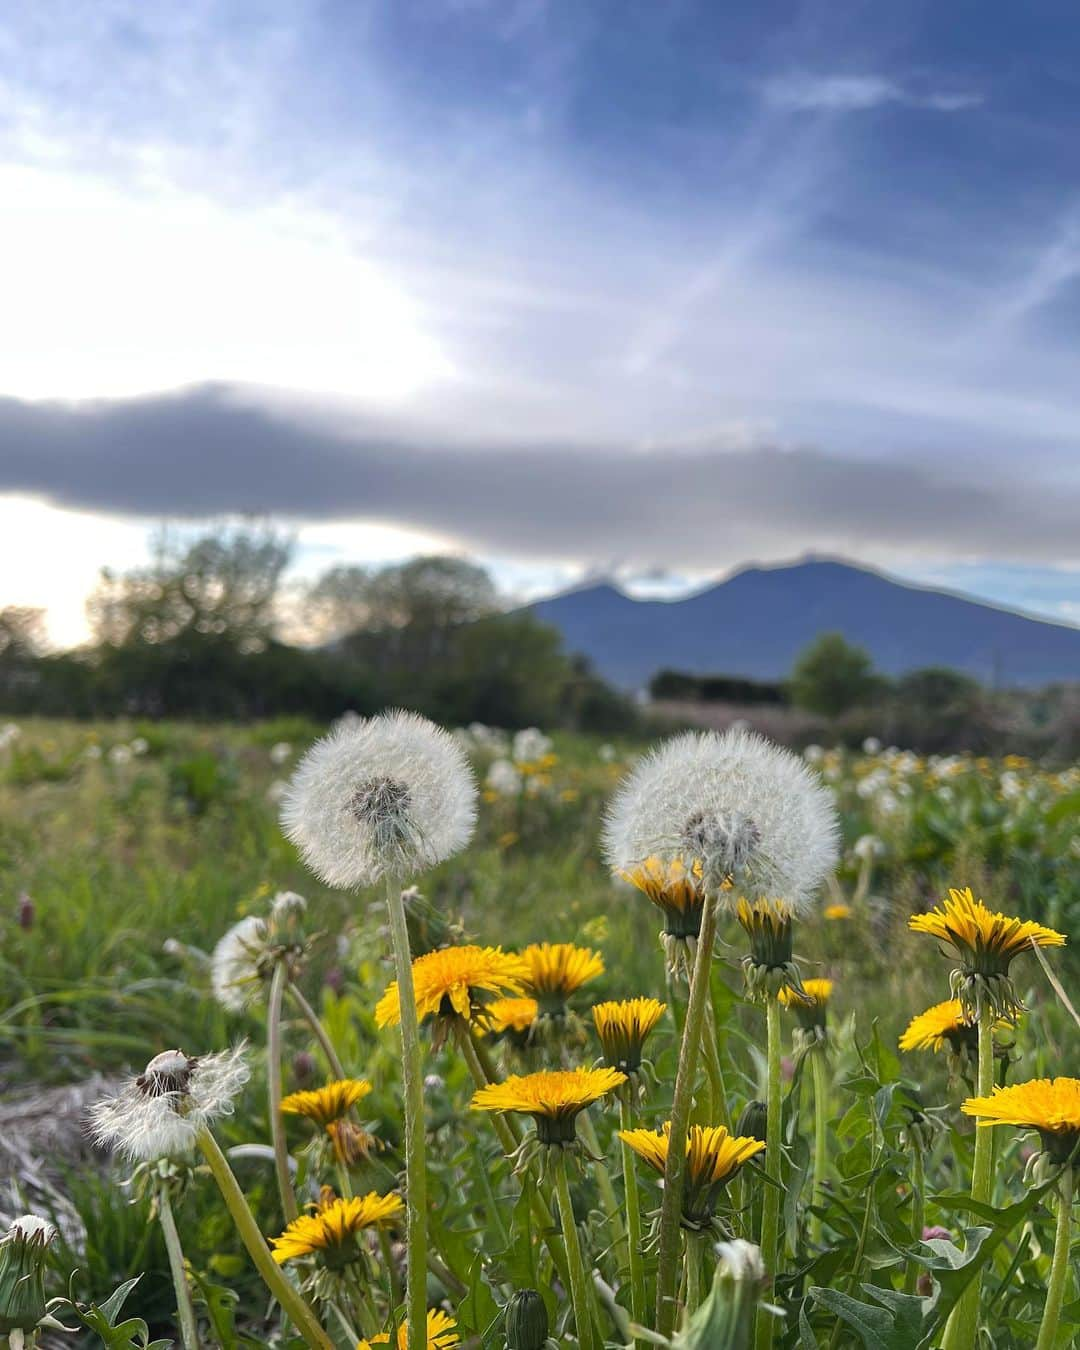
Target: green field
[(126, 851)]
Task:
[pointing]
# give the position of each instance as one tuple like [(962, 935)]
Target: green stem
[(311, 1017), (1059, 1267), (770, 1202), (578, 1290), (633, 1214), (273, 1086), (693, 1272), (482, 1071), (185, 1309), (821, 1121), (415, 1161), (918, 1213), (587, 1130), (675, 1169), (292, 1302), (720, 1113), (963, 1325)]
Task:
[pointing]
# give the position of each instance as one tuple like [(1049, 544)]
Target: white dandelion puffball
[(29, 1227), (160, 1113), (389, 796), (235, 971), (735, 804)]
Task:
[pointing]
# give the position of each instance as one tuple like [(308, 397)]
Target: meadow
[(128, 850)]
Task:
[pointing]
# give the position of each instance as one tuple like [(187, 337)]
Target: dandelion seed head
[(390, 795), (732, 805), (30, 1227), (160, 1113), (235, 970)]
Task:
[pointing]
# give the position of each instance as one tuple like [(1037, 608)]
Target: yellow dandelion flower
[(985, 943), (816, 991), (713, 1156), (440, 1334), (1049, 1105), (329, 1103), (452, 980), (837, 911), (329, 1231), (943, 1024), (504, 1015), (554, 1098), (623, 1027), (675, 891), (809, 1004), (981, 937), (557, 969)]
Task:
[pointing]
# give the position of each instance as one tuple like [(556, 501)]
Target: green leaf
[(897, 1326)]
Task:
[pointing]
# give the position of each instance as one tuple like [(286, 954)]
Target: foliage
[(832, 676)]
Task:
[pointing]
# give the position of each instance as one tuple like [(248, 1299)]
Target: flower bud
[(22, 1273), (526, 1321), (725, 1321), (753, 1121)]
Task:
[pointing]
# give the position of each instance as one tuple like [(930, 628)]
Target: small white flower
[(120, 755), (160, 1113), (868, 847), (92, 752), (287, 905), (393, 795), (280, 752), (607, 754), (530, 745), (813, 754), (503, 778), (871, 746), (734, 803), (277, 790), (236, 973), (140, 745)]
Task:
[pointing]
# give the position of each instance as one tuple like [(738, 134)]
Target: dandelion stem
[(587, 1130), (694, 1254), (633, 1213), (311, 1017), (185, 1309), (918, 1212), (483, 1073), (1059, 1268), (578, 1290), (821, 1120), (292, 1302), (770, 1202), (273, 1087), (963, 1325), (713, 1067), (415, 1161), (675, 1168)]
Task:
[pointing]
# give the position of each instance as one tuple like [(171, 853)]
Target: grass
[(134, 864)]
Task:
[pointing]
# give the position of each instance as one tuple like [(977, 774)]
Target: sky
[(647, 288)]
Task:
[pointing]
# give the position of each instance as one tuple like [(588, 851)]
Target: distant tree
[(223, 584), (938, 689), (22, 633), (832, 676)]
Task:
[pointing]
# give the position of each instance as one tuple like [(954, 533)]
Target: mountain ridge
[(755, 622)]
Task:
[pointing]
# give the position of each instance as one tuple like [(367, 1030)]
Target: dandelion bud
[(752, 1121), (526, 1321), (304, 1066), (287, 907), (25, 911), (725, 1321), (22, 1273)]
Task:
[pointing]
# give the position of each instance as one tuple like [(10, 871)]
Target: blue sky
[(652, 287)]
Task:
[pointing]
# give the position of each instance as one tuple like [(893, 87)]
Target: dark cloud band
[(203, 452)]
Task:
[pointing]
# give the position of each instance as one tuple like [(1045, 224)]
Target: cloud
[(212, 450), (857, 93)]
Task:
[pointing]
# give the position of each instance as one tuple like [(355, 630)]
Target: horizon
[(649, 290)]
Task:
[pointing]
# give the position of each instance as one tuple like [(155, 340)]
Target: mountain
[(755, 624)]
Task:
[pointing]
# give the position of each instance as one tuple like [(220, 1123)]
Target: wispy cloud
[(858, 93)]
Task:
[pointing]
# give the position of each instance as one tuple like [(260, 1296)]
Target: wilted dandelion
[(160, 1113), (23, 1254), (713, 1158), (329, 1232), (735, 805), (392, 795), (440, 1334)]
